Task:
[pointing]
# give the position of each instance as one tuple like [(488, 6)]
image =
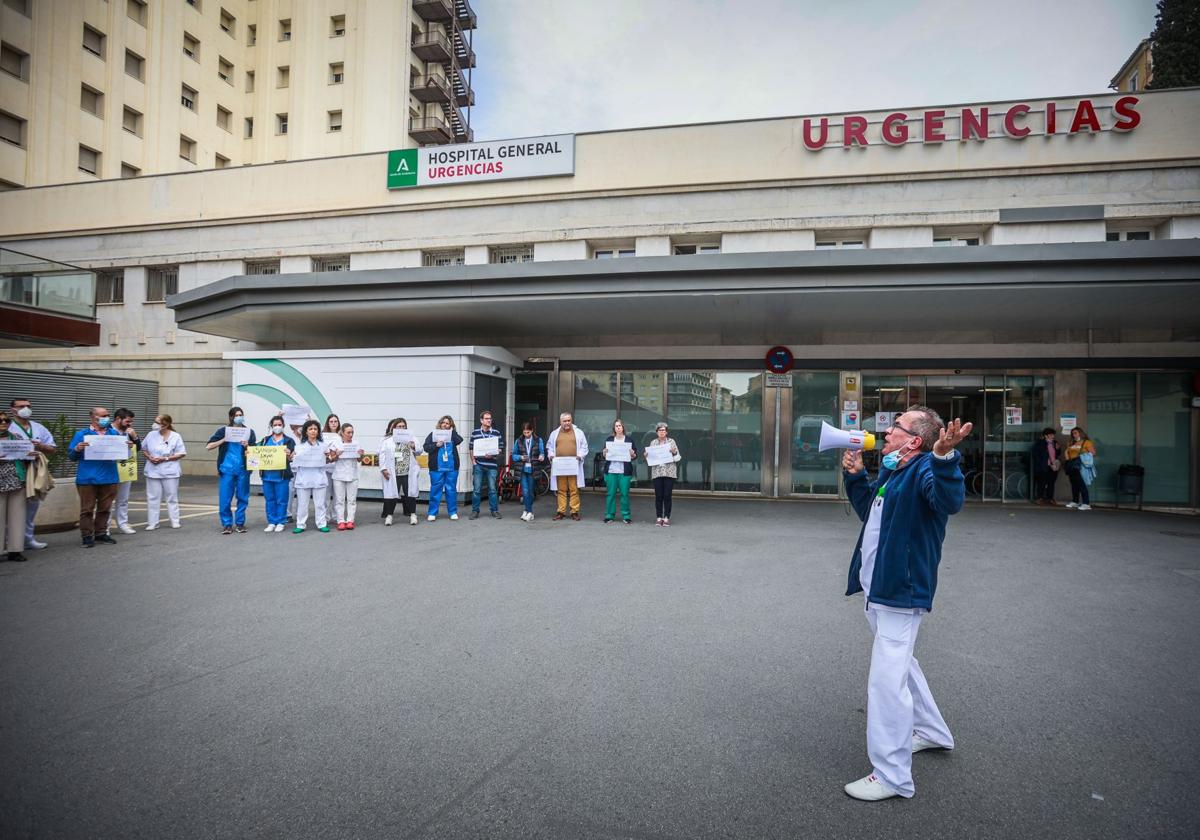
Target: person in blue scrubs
[(234, 477)]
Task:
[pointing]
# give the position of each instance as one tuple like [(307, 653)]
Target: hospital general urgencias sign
[(500, 160)]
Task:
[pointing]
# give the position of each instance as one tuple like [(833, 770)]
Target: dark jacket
[(432, 448), (219, 434), (627, 464), (1039, 456), (536, 447), (920, 498)]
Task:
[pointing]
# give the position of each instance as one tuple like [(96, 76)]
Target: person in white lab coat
[(399, 471), (163, 449), (566, 442), (312, 483), (345, 478)]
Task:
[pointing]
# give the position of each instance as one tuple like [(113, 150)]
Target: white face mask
[(155, 427), (25, 413), (277, 429)]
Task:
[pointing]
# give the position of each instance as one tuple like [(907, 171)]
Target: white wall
[(780, 240), (1041, 233)]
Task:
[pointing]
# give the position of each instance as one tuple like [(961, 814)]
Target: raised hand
[(955, 432)]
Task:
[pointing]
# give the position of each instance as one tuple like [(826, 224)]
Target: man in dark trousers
[(904, 513), (1045, 457)]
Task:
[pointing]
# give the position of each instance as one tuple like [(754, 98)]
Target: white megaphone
[(832, 438)]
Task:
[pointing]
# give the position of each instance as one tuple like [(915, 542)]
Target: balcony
[(432, 87), (433, 45), (431, 131), (465, 14), (434, 9), (46, 303)]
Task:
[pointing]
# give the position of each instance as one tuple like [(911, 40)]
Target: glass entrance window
[(595, 410), (814, 401), (1165, 417), (1026, 413), (737, 441), (1112, 426), (641, 408), (690, 419)]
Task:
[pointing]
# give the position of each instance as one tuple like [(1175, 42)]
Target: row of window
[(163, 280)]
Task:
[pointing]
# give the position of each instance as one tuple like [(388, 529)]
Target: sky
[(570, 66)]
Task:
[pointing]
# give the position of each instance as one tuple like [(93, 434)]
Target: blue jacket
[(919, 500), (92, 472), (432, 449), (536, 449)]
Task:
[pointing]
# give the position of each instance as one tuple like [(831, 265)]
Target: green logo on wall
[(402, 168)]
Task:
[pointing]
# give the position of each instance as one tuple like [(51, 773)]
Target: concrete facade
[(1045, 197), (338, 74)]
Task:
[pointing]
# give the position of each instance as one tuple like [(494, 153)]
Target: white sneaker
[(1072, 505), (34, 545), (412, 519), (530, 519), (1085, 507), (125, 529), (174, 524), (387, 520), (432, 518), (870, 789), (279, 528), (919, 744), (454, 517), (270, 528)]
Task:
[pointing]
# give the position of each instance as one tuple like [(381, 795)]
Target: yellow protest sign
[(266, 457), (127, 470)]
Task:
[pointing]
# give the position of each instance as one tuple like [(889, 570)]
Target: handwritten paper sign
[(659, 455), (484, 446), (619, 450), (401, 437), (15, 450), (295, 415), (309, 456), (266, 458), (105, 448), (237, 434), (564, 465), (127, 470)]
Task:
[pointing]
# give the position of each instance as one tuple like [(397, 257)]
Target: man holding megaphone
[(904, 513)]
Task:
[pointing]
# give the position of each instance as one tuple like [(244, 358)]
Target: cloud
[(548, 66)]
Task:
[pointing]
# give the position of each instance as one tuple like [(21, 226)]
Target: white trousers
[(345, 499), (120, 508), (318, 496), (156, 490), (899, 702), (292, 499), (31, 509)]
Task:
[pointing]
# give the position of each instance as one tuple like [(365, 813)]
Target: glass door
[(737, 441)]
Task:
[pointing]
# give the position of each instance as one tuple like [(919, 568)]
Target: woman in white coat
[(399, 470), (163, 449), (566, 442)]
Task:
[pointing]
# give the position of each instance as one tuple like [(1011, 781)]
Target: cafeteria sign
[(500, 160)]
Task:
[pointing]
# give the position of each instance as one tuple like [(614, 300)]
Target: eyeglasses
[(896, 425)]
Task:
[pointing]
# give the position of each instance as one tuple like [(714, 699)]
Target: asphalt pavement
[(498, 679)]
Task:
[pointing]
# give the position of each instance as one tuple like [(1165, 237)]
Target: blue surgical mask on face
[(892, 459), (102, 422), (239, 421)]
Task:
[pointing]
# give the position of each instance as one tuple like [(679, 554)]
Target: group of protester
[(904, 511), (1050, 459), (327, 480)]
